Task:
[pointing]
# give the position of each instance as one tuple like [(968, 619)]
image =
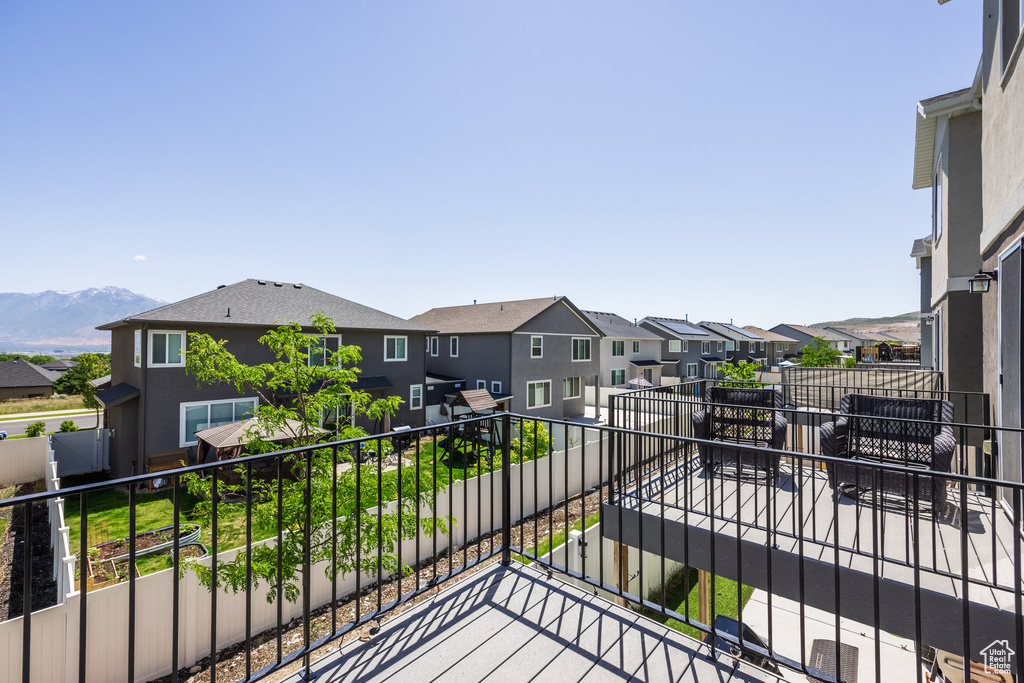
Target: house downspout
[(143, 363)]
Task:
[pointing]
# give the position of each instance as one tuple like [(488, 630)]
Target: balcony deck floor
[(801, 509), (517, 624)]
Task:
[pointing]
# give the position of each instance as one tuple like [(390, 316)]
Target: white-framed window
[(432, 346), (580, 348), (686, 346), (762, 345), (937, 201), (138, 348), (571, 387), (636, 344), (395, 348), (495, 387), (729, 345), (538, 394), (481, 384), (415, 396), (779, 347), (618, 348), (453, 347), (166, 349), (705, 348), (199, 415), (618, 377), (691, 369), (536, 347), (674, 345), (720, 347)]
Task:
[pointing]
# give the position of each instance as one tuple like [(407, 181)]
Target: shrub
[(35, 429), (68, 426)]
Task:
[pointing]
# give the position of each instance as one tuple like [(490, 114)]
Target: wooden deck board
[(516, 624)]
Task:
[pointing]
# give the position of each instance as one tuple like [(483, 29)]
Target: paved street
[(16, 427)]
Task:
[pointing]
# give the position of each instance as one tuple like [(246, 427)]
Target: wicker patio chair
[(923, 439), (747, 417)]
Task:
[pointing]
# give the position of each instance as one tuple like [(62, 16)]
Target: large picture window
[(538, 394), (166, 349), (197, 416)]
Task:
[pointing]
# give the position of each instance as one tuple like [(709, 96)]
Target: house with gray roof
[(154, 407), (777, 347), (535, 355), (691, 349), (803, 334), (741, 344), (21, 379), (628, 352)]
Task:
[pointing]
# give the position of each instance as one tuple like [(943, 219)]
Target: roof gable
[(497, 317), (21, 373)]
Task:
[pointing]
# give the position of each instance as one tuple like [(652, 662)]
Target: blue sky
[(743, 160)]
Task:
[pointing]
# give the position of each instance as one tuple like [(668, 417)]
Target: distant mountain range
[(53, 321), (906, 326)]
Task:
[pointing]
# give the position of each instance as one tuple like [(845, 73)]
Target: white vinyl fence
[(474, 506), (23, 460)]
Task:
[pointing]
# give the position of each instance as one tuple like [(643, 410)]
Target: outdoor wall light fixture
[(928, 320), (980, 283)]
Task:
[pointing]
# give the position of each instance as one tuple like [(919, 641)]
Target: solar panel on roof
[(739, 330), (683, 328)]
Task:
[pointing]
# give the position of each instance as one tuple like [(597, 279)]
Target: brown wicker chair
[(922, 438), (759, 422)]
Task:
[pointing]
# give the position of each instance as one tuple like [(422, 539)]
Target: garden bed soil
[(12, 565), (231, 660)]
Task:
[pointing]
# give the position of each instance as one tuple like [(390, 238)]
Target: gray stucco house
[(155, 407), (947, 161), (804, 334), (691, 349), (536, 355), (777, 346), (741, 344), (628, 351)]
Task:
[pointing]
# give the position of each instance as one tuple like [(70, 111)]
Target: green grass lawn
[(684, 584), (558, 538), (41, 405)]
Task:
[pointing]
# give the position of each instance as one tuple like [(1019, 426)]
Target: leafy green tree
[(40, 359), (741, 374), (68, 426), (531, 442), (296, 391), (819, 354), (75, 382), (849, 363), (35, 428)]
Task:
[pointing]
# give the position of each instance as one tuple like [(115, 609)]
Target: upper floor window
[(536, 347), (481, 384), (720, 347), (138, 348), (317, 351), (580, 348), (495, 387), (432, 346), (166, 349), (674, 345), (395, 348), (705, 348), (729, 346), (453, 347), (415, 396), (618, 348), (636, 347)]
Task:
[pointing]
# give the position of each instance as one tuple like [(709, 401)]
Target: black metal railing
[(336, 540)]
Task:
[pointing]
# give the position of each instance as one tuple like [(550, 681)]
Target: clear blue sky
[(727, 160)]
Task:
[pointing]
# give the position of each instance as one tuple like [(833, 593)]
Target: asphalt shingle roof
[(21, 373), (769, 336), (268, 303), (816, 332), (618, 327), (500, 316)]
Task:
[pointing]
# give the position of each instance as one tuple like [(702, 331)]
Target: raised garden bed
[(107, 572), (149, 542)]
